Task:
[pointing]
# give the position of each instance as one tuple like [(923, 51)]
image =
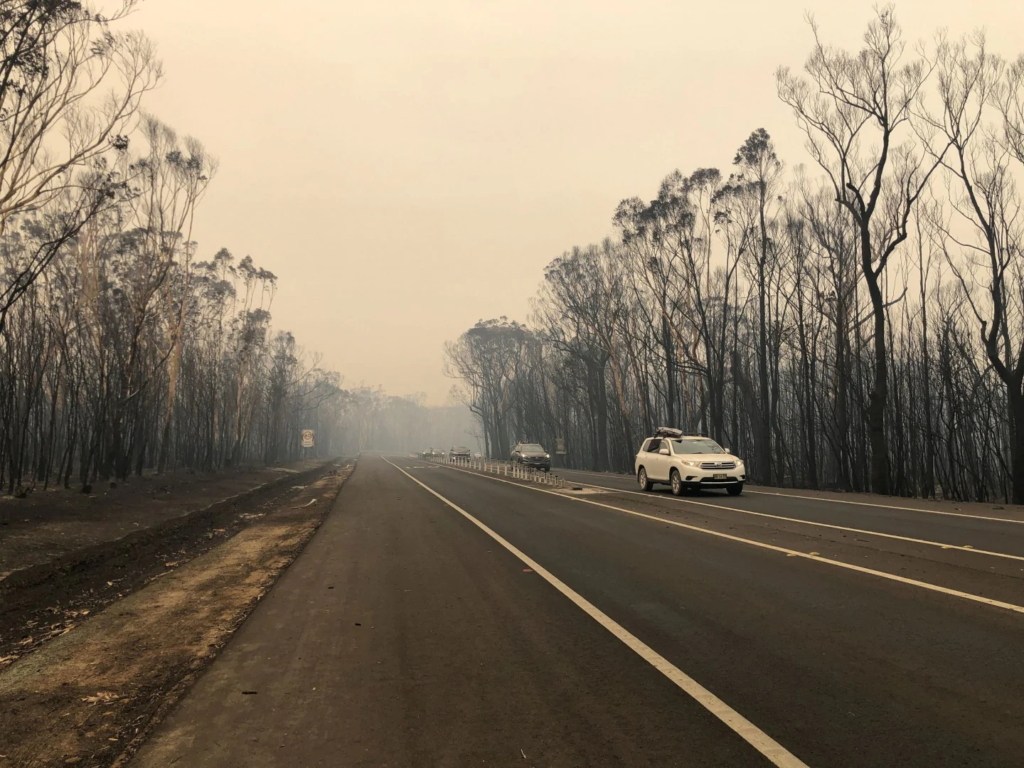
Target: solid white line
[(847, 501), (749, 732), (890, 506), (774, 548), (809, 522)]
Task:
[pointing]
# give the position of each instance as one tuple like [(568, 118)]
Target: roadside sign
[(307, 438), (560, 446)]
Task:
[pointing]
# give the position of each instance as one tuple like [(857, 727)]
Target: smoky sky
[(407, 168)]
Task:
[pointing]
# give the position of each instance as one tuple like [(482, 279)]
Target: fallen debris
[(103, 697)]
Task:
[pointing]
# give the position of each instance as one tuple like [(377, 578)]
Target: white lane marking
[(891, 506), (750, 733), (801, 521), (789, 552), (854, 503)]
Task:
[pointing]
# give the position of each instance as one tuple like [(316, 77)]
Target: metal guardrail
[(505, 469)]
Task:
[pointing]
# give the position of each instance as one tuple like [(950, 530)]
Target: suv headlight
[(693, 464), (547, 455)]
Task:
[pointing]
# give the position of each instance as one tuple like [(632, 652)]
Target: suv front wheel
[(677, 483), (735, 490)]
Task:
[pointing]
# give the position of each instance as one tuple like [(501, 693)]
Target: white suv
[(688, 462)]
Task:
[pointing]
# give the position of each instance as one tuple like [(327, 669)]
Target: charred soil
[(47, 599), (90, 696)]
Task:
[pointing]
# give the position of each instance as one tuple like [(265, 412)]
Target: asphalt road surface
[(442, 617)]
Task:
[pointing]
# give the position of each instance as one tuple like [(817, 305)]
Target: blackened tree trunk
[(1015, 397), (879, 396), (599, 400)]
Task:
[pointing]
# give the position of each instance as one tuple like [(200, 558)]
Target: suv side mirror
[(664, 452)]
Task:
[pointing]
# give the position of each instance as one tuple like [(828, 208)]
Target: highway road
[(443, 617)]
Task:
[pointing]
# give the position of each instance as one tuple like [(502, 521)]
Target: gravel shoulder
[(90, 696), (48, 599)]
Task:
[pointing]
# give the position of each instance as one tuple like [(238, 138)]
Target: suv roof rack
[(668, 432)]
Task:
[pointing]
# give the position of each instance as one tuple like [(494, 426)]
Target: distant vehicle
[(688, 463), (458, 454), (531, 455)]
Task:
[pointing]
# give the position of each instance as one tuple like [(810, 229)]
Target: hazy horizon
[(408, 171)]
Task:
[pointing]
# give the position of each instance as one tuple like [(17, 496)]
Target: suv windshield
[(696, 445), (531, 447)]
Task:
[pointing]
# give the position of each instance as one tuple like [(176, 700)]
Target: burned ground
[(89, 697), (47, 599)]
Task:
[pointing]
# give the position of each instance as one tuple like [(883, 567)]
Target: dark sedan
[(531, 455)]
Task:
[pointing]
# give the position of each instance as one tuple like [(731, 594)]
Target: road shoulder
[(90, 696)]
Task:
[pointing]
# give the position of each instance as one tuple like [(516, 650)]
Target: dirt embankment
[(90, 696), (43, 601), (55, 522)]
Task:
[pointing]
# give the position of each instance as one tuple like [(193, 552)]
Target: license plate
[(721, 477)]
